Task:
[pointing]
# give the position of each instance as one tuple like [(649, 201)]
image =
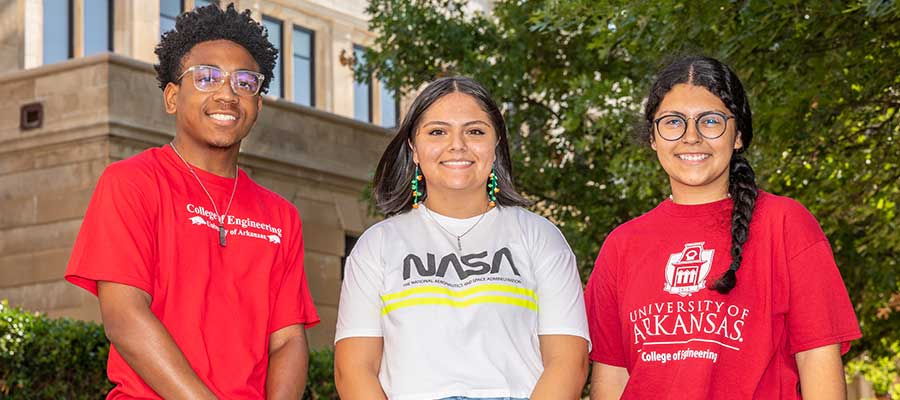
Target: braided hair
[(720, 80)]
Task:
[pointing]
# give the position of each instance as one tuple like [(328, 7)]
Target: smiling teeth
[(693, 157), (457, 163), (222, 117)]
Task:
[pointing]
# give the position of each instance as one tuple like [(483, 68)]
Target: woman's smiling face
[(454, 145), (694, 162)]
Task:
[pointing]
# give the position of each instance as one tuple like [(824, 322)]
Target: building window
[(362, 92), (168, 11), (204, 3), (273, 26), (57, 30), (304, 72), (389, 106), (97, 26), (349, 243)]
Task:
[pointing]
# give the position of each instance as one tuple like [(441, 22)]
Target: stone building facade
[(99, 108)]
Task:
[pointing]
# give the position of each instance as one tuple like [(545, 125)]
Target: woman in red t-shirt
[(723, 291)]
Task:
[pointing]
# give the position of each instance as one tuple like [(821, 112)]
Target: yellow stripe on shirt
[(443, 301)]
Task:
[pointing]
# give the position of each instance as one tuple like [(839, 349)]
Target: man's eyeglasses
[(208, 78), (710, 125)]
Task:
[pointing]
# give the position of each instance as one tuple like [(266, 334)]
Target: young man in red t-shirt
[(199, 270)]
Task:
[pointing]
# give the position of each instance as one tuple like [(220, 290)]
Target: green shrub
[(320, 381), (46, 358)]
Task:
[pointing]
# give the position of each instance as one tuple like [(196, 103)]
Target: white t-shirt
[(461, 323)]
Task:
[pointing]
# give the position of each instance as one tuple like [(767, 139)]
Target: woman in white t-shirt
[(461, 293)]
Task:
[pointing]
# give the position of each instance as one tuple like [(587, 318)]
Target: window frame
[(371, 116), (70, 32), (180, 10), (312, 63), (110, 31), (280, 61)]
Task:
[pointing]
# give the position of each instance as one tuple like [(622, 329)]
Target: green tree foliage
[(824, 84)]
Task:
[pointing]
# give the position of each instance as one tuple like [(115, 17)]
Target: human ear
[(415, 153), (170, 98)]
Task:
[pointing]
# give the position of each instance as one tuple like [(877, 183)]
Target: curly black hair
[(212, 23)]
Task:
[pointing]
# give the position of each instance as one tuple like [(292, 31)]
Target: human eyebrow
[(670, 112), (712, 112), (476, 122), (439, 123)]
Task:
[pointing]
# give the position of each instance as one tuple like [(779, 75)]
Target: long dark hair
[(721, 81), (396, 168)]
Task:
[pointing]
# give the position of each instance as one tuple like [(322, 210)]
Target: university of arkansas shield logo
[(686, 271)]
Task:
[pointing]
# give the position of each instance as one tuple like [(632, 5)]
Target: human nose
[(226, 92), (691, 133), (458, 141)]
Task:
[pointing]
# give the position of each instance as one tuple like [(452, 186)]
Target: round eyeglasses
[(208, 78), (710, 125)]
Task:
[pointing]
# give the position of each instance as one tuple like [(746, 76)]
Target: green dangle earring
[(493, 188), (415, 187)]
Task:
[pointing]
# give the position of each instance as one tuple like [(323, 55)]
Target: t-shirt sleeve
[(116, 242), (359, 309), (601, 300), (820, 312), (293, 302), (560, 294)]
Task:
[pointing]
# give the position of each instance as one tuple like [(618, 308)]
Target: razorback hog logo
[(474, 264), (686, 271)]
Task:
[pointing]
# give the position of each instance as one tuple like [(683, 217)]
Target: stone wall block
[(317, 212), (52, 156), (36, 267), (350, 213), (327, 239), (285, 186), (44, 296), (120, 149), (65, 154), (19, 91), (37, 238), (17, 211), (71, 81), (89, 310), (79, 175), (322, 335), (63, 205), (323, 275)]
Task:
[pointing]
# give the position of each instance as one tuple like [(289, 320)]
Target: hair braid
[(742, 188)]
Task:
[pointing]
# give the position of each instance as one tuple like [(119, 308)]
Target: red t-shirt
[(150, 225), (649, 311)]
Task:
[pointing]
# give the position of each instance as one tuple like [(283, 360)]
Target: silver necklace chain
[(219, 217), (458, 237)]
